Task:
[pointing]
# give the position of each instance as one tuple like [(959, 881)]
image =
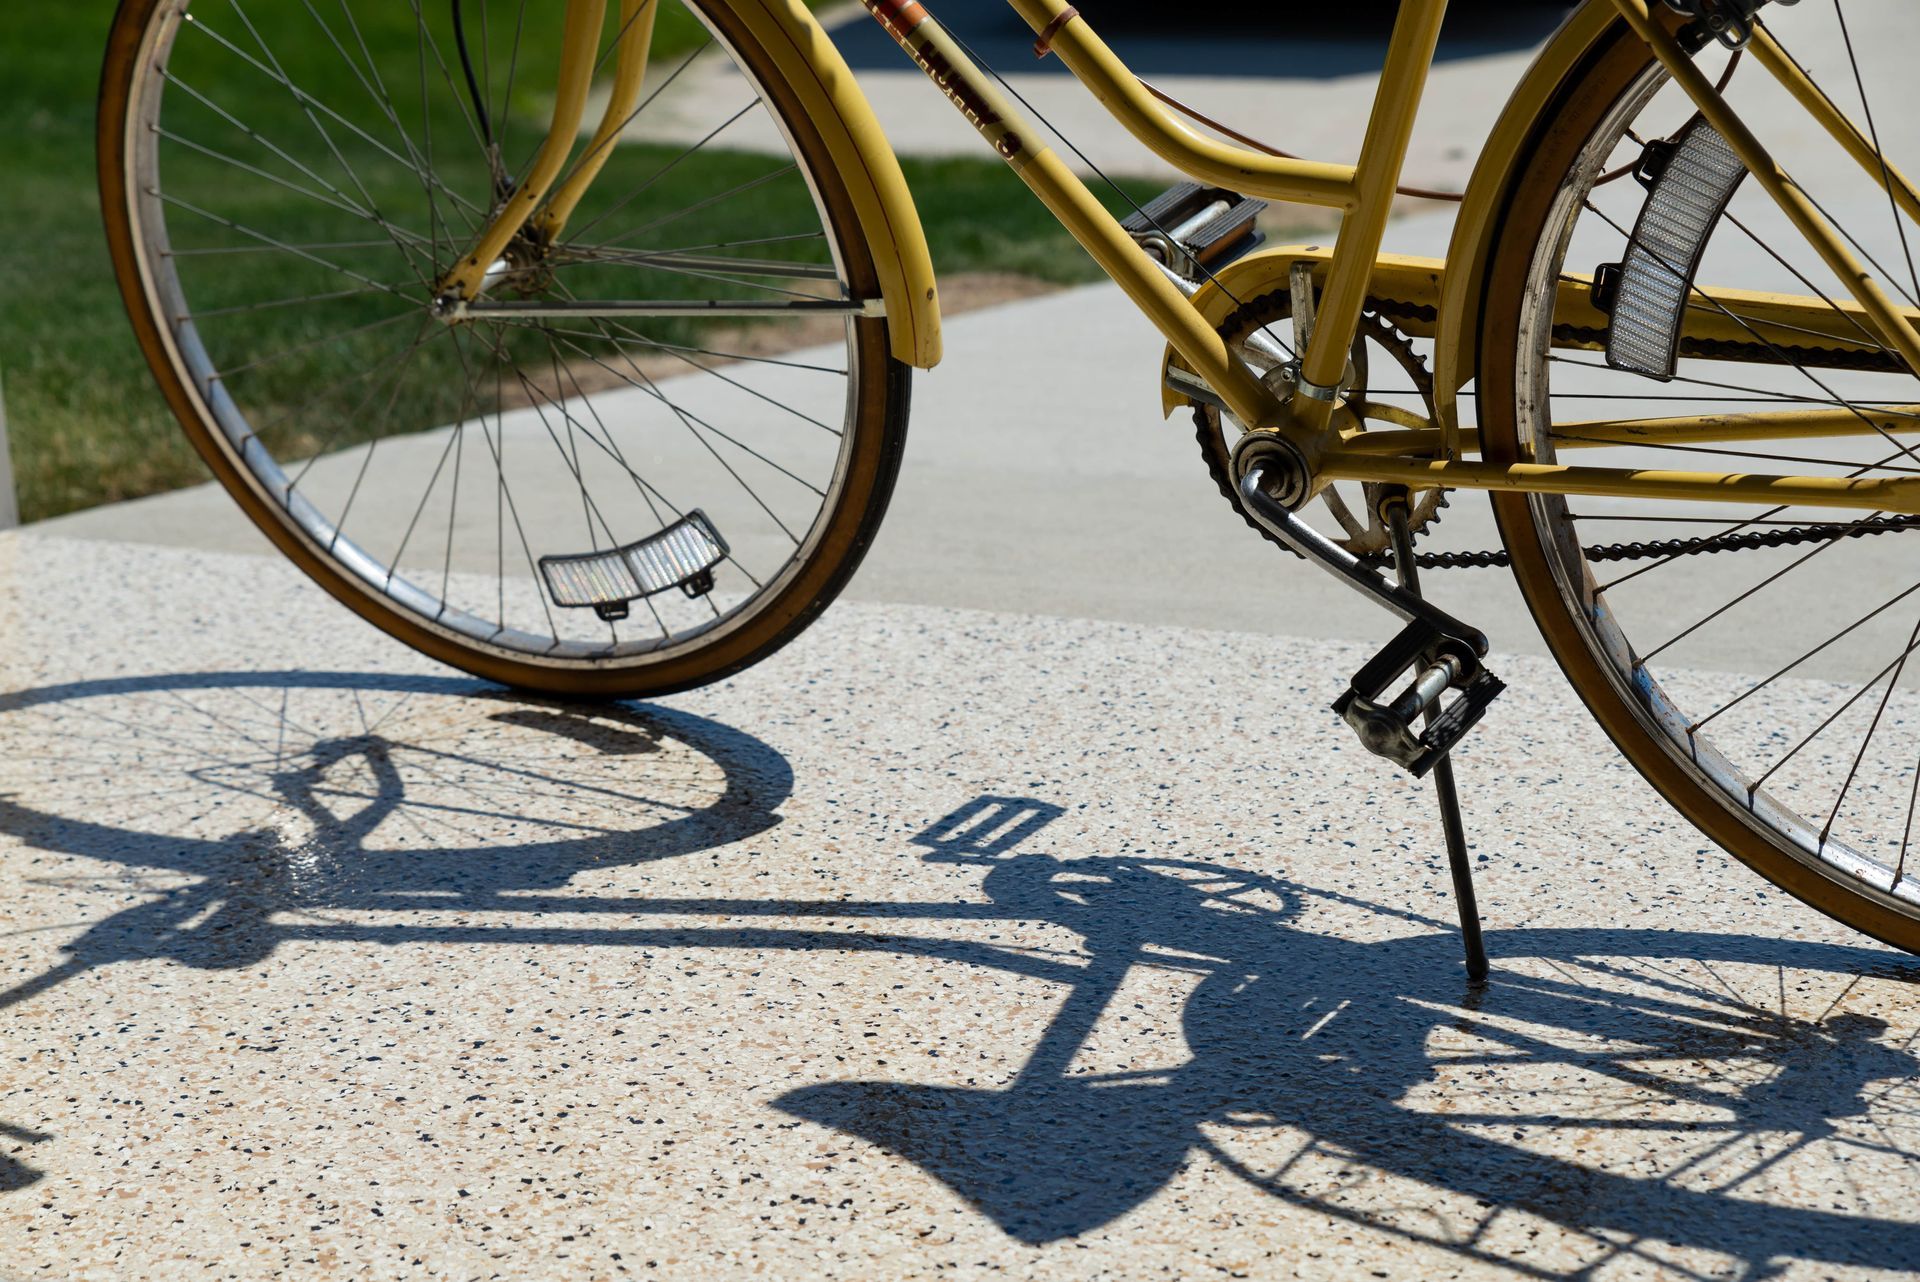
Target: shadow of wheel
[(227, 800)]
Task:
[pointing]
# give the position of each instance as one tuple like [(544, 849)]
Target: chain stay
[(1731, 541)]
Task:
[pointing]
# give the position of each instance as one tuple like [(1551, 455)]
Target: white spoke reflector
[(683, 555)]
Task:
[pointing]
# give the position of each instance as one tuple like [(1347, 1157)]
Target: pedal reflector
[(681, 556)]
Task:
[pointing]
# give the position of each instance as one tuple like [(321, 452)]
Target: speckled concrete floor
[(943, 943)]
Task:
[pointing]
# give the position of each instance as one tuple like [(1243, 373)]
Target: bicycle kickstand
[(1413, 730), (1394, 507)]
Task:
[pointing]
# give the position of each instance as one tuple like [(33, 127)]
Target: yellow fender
[(807, 60), (1450, 293)]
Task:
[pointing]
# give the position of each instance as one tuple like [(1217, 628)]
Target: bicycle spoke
[(300, 300), (513, 510), (366, 463), (513, 65), (263, 249), (1782, 356), (396, 363), (633, 115), (606, 446), (632, 339), (372, 206), (322, 107), (708, 203), (377, 91), (588, 512), (1906, 828), (1762, 684), (1771, 579), (759, 395), (1913, 641), (1873, 137), (718, 269), (645, 384), (1786, 398), (748, 243), (396, 235), (400, 552), (653, 390), (297, 150), (265, 239), (613, 136), (621, 457), (1710, 520), (453, 91), (1897, 662), (298, 348), (1724, 451)]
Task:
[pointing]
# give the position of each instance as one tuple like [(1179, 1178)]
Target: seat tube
[(1416, 33)]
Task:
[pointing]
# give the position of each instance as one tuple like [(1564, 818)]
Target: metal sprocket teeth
[(1364, 533)]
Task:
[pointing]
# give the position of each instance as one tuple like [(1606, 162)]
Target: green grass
[(86, 421)]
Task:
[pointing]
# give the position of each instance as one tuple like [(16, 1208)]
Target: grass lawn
[(86, 422)]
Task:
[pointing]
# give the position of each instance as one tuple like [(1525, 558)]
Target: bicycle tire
[(1574, 611), (829, 547)]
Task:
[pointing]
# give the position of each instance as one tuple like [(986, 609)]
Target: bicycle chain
[(1787, 536), (1389, 310)]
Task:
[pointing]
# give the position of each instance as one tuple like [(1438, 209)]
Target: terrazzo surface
[(944, 943)]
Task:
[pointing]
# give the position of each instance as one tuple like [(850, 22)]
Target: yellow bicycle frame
[(1354, 267)]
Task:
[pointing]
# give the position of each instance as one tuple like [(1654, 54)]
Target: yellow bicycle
[(570, 343)]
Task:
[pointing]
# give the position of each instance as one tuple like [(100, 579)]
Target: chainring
[(1364, 534)]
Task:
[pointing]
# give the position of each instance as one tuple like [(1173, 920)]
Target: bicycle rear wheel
[(284, 185), (1766, 691)]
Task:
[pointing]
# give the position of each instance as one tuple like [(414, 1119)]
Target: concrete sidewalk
[(1029, 915), (945, 943)]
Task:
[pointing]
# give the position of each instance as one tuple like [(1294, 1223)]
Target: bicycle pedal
[(1191, 226), (1437, 663), (683, 555)]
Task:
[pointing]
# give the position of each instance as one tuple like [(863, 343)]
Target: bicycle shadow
[(1288, 1027), (1316, 1065), (223, 917)]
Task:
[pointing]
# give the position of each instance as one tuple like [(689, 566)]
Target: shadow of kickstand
[(1323, 1046)]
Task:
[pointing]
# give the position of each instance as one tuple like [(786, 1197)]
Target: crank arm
[(1318, 549), (1438, 652)]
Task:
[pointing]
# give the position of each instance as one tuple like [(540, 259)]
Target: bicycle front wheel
[(1755, 662), (659, 456)]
